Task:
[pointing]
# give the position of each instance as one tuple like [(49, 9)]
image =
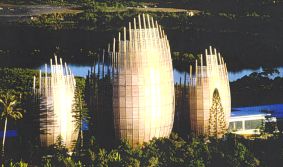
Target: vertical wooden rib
[(51, 67), (114, 50), (139, 18), (130, 32), (210, 50), (219, 59), (45, 79), (135, 24), (191, 71), (196, 71), (152, 23), (215, 56), (148, 21), (201, 65), (113, 46), (39, 81), (144, 22), (119, 46), (56, 63)]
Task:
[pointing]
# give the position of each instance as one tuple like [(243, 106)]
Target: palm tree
[(9, 106)]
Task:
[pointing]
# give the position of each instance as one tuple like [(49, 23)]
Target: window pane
[(239, 125), (253, 124)]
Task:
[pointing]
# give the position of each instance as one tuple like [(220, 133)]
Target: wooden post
[(34, 80)]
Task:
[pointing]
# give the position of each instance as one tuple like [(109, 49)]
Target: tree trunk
[(4, 136)]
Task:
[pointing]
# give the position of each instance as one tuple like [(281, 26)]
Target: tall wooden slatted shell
[(209, 95), (55, 95), (143, 87)]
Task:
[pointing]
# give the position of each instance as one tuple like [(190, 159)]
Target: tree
[(269, 72), (241, 156), (217, 122), (10, 110), (80, 113)]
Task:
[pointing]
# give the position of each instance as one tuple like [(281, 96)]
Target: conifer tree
[(217, 123)]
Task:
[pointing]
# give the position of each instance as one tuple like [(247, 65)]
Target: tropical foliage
[(159, 152), (9, 108)]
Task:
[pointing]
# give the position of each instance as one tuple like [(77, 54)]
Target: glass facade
[(237, 125), (253, 124)]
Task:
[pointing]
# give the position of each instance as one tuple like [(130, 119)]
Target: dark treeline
[(257, 88), (247, 33)]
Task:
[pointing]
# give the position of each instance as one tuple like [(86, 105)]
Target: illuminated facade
[(143, 87), (55, 96), (209, 95)]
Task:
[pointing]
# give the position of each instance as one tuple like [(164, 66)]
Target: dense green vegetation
[(17, 79), (175, 151), (159, 152), (182, 60)]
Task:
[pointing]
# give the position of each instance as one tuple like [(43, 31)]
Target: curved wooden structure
[(55, 96), (143, 87), (207, 86)]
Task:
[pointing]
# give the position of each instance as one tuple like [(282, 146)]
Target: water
[(82, 70), (276, 110), (9, 133)]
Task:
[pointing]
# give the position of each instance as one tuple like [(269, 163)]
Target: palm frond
[(16, 115), (10, 106)]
